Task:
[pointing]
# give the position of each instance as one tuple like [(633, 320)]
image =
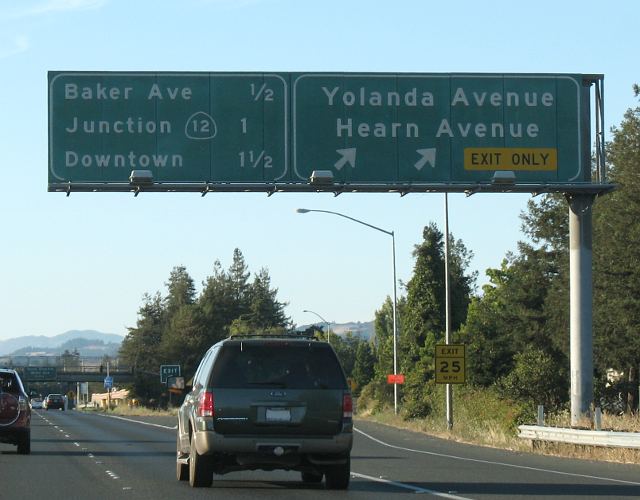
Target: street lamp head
[(141, 177), (504, 177), (321, 177), (302, 211)]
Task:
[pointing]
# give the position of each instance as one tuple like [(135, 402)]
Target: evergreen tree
[(140, 348), (181, 290), (264, 309), (510, 318), (185, 339), (218, 304), (180, 327), (363, 366), (423, 318), (617, 259), (547, 224), (383, 340), (238, 277), (345, 347)]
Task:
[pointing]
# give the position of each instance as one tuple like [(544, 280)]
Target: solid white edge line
[(489, 462), (140, 422), (415, 489)]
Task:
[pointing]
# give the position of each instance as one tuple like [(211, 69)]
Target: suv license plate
[(278, 415)]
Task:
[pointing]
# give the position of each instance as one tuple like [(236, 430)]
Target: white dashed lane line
[(90, 455)]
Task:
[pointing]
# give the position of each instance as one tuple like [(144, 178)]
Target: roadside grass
[(479, 417), (134, 411), (610, 422), (482, 418)]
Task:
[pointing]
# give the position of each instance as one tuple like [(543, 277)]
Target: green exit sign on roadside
[(168, 371), (271, 131)]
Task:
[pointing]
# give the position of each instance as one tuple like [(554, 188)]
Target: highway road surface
[(88, 455)]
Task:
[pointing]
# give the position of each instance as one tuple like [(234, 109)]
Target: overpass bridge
[(31, 374), (33, 369)]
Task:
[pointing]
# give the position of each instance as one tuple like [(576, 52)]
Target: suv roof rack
[(288, 335)]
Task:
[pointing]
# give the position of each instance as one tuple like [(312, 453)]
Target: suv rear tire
[(24, 443), (182, 470), (311, 477), (200, 470), (337, 476)]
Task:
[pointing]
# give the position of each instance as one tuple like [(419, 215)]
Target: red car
[(15, 412)]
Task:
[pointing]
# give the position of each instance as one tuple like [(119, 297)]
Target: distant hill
[(361, 329), (87, 342)]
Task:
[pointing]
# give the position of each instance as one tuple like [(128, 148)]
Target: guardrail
[(579, 436)]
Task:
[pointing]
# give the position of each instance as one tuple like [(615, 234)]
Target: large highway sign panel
[(438, 128), (277, 128), (184, 127)]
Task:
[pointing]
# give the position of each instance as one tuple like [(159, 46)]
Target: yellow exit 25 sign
[(532, 159), (450, 364)]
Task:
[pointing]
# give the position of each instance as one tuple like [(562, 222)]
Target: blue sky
[(85, 261)]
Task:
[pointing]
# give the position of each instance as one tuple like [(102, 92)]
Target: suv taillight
[(205, 404), (347, 406)]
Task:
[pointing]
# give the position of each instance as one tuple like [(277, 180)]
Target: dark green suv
[(267, 403)]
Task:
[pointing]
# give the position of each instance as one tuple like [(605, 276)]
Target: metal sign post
[(108, 388), (581, 306)]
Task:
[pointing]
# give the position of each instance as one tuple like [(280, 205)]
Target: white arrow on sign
[(346, 156), (426, 156)]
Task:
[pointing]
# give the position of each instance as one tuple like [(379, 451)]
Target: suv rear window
[(9, 383), (287, 365)]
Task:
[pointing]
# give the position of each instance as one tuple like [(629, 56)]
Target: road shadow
[(551, 490), (102, 441), (98, 454)]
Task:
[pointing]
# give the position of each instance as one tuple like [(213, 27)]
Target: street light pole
[(326, 322), (447, 293), (395, 298), (395, 325)]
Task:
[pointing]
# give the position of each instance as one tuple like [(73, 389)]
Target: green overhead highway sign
[(183, 127), (263, 131), (439, 128), (42, 373)]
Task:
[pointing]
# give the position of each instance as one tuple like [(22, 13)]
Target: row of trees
[(516, 330), (178, 328)]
